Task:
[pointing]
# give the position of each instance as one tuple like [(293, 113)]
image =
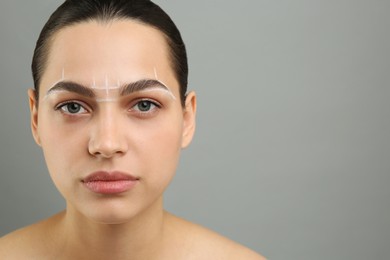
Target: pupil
[(73, 108), (144, 105)]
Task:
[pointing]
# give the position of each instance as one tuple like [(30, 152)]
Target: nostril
[(107, 148)]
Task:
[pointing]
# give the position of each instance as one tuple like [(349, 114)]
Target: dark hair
[(76, 11)]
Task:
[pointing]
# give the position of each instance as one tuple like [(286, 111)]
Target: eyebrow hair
[(126, 89), (141, 85), (72, 87)]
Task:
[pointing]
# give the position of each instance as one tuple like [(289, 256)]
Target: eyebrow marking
[(156, 76), (146, 85), (106, 87), (70, 86), (101, 100), (142, 85), (107, 90), (155, 73), (63, 74)]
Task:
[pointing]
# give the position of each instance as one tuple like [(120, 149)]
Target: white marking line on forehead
[(167, 92), (63, 74), (159, 89), (107, 90), (108, 100), (168, 89), (155, 89), (155, 73), (107, 86), (141, 86), (55, 83), (53, 92)]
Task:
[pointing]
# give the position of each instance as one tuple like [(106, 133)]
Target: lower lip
[(110, 187)]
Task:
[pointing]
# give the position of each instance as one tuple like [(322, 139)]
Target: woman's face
[(109, 118)]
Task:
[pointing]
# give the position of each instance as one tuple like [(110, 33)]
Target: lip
[(103, 182)]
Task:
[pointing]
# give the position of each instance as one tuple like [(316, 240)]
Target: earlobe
[(189, 121), (33, 103)]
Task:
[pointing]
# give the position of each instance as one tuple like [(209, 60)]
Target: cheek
[(61, 140), (163, 142), (160, 150), (62, 146)]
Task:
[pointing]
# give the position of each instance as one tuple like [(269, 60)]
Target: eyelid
[(81, 103), (158, 89), (156, 103), (151, 112)]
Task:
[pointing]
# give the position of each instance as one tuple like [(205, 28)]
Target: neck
[(139, 238)]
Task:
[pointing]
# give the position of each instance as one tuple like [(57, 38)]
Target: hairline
[(102, 20)]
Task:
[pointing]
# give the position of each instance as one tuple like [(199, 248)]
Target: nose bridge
[(107, 137)]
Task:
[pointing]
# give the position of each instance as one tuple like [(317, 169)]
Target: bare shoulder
[(17, 245), (26, 243), (206, 244)]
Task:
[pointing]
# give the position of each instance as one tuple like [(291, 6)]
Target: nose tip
[(107, 140), (105, 148)]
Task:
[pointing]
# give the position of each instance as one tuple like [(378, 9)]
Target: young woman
[(111, 111)]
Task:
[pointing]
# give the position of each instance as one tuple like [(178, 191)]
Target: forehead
[(123, 50)]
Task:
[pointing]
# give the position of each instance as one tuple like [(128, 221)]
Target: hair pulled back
[(72, 12)]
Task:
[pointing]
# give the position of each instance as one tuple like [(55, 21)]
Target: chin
[(114, 210), (110, 212), (113, 215)]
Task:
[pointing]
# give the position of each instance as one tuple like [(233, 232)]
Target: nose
[(107, 138)]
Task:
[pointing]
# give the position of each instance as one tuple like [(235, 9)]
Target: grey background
[(291, 155)]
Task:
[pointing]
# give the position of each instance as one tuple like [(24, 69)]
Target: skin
[(113, 136)]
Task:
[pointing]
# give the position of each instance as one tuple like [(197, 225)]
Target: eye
[(145, 106), (72, 108)]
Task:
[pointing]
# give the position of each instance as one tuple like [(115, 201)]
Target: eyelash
[(61, 107), (153, 110)]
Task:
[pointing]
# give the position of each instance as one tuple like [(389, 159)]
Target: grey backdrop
[(291, 155)]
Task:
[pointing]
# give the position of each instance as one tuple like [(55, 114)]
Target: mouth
[(104, 182)]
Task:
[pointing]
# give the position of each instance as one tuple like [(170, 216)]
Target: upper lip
[(109, 176)]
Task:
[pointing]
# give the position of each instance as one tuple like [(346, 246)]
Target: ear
[(34, 115), (189, 115)]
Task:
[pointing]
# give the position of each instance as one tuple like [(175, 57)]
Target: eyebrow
[(126, 89), (72, 87), (141, 85)]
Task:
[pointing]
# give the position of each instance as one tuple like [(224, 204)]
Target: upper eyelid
[(144, 95), (81, 103), (158, 104)]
